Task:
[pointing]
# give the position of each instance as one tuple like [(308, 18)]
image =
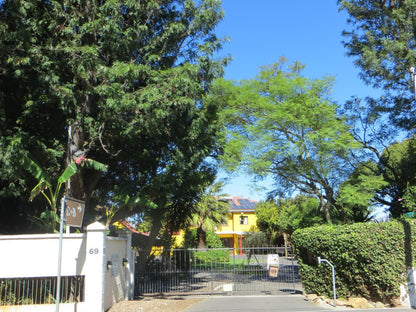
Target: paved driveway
[(284, 303)]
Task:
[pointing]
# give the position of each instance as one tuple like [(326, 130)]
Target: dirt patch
[(155, 305)]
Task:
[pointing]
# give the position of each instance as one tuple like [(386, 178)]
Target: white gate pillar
[(130, 266), (95, 267)]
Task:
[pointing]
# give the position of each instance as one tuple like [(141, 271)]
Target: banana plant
[(45, 186)]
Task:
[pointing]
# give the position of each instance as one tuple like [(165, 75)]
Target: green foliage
[(359, 192), (209, 213), (370, 259), (398, 166), (287, 215), (255, 239), (49, 218), (409, 199), (191, 239), (214, 256), (131, 79), (284, 124), (381, 39)]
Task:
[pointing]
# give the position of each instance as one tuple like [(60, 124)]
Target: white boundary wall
[(82, 254)]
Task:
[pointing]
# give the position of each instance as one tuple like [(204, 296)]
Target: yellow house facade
[(242, 219)]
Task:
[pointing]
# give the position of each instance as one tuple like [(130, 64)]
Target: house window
[(244, 220)]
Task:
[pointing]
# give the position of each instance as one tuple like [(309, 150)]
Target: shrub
[(370, 259), (212, 256), (191, 239)]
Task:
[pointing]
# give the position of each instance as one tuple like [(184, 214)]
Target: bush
[(212, 256), (256, 239), (370, 259), (191, 239)]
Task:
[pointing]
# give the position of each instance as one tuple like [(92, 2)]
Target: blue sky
[(301, 30)]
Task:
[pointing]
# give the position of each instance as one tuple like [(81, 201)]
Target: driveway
[(284, 303)]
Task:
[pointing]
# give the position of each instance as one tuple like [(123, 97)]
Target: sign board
[(272, 260), (74, 212), (273, 271)]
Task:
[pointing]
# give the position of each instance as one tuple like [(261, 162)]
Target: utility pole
[(413, 73)]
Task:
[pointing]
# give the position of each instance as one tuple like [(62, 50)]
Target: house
[(242, 219)]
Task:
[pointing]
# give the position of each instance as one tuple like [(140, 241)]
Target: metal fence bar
[(40, 290)]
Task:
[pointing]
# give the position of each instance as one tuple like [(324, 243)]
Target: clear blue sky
[(301, 30)]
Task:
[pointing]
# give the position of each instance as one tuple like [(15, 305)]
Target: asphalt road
[(284, 303)]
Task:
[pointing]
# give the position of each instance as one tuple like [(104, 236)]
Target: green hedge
[(370, 259)]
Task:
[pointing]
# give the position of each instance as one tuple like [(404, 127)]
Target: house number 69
[(93, 251)]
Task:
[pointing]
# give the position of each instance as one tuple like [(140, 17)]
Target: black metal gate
[(248, 271)]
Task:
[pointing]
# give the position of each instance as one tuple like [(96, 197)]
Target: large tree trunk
[(84, 181), (147, 248)]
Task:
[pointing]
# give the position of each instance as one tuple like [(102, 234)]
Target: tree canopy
[(288, 215), (285, 125), (398, 166), (382, 41), (130, 79)]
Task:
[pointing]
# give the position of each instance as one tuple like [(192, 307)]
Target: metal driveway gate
[(248, 271)]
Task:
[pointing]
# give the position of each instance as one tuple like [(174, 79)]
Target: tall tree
[(383, 42), (130, 78), (284, 125)]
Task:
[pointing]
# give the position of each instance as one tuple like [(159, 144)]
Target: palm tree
[(210, 212)]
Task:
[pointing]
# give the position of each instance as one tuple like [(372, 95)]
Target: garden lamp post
[(333, 278)]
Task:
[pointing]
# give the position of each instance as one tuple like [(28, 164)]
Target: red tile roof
[(131, 228)]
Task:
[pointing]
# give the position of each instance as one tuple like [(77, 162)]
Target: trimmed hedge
[(370, 259)]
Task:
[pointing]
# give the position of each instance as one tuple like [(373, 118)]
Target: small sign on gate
[(273, 271), (273, 264)]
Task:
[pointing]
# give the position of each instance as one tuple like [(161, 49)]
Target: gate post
[(95, 269), (130, 264)]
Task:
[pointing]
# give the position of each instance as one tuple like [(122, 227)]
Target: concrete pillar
[(95, 266), (129, 269)]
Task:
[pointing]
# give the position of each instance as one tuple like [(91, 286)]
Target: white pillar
[(129, 269), (95, 267)]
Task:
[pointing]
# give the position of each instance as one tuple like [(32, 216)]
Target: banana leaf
[(35, 170), (93, 164), (68, 173)]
